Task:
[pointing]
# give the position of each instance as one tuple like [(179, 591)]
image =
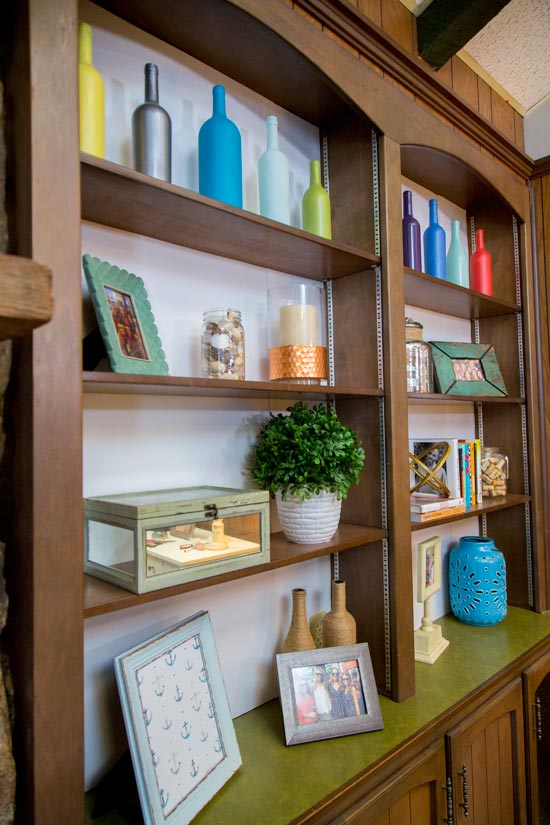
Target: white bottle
[(273, 179)]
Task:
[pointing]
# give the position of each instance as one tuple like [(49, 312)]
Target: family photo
[(328, 691)]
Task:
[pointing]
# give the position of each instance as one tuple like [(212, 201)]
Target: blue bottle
[(220, 159), (435, 261)]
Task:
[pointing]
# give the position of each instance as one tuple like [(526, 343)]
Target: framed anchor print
[(180, 732)]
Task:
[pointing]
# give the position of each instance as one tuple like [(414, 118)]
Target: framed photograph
[(466, 369), (328, 692), (125, 319), (180, 732), (434, 467), (429, 568)]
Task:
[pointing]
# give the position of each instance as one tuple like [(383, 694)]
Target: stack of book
[(456, 463), (430, 508), (469, 458)]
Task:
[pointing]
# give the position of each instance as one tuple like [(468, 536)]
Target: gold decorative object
[(316, 627), (297, 362), (426, 474)]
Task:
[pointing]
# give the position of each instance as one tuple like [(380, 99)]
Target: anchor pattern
[(181, 724)]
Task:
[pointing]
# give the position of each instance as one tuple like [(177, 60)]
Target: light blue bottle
[(220, 158), (435, 261), (273, 180), (458, 267)]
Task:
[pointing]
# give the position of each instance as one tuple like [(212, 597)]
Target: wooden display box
[(150, 540)]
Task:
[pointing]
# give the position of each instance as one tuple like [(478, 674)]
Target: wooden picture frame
[(180, 731), (466, 369), (313, 708), (125, 319), (428, 568)]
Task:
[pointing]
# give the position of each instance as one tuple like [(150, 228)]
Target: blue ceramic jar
[(477, 581)]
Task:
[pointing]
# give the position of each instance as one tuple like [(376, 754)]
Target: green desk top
[(277, 783)]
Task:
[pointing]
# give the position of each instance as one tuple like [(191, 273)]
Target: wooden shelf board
[(431, 293), (25, 296), (102, 597), (425, 397), (122, 198), (119, 383), (489, 505)]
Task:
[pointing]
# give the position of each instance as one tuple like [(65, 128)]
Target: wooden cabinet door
[(486, 762), (413, 796), (536, 692)]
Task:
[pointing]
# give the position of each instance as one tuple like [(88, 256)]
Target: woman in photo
[(321, 696), (305, 704), (350, 696), (336, 691)]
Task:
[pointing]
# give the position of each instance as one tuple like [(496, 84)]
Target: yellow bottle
[(92, 97)]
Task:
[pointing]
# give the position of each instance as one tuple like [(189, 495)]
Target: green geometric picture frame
[(467, 369), (125, 319)]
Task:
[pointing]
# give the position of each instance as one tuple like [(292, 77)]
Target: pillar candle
[(298, 325)]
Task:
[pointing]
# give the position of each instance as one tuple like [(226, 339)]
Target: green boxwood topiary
[(306, 452)]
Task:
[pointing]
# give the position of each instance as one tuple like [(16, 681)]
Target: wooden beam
[(445, 26), (25, 295)]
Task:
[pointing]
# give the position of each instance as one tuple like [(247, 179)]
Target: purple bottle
[(411, 234)]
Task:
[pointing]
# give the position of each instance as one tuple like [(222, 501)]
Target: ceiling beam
[(445, 26)]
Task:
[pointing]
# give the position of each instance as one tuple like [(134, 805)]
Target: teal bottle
[(220, 158), (273, 180), (316, 204), (435, 261), (458, 266)]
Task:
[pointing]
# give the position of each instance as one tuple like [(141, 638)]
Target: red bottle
[(481, 268)]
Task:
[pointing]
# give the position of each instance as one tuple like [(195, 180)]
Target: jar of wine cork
[(494, 472)]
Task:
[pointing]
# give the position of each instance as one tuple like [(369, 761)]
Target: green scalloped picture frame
[(125, 319)]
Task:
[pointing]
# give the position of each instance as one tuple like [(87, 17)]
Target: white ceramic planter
[(311, 521)]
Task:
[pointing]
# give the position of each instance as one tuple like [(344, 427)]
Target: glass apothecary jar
[(419, 358), (222, 344), (297, 333), (494, 472)]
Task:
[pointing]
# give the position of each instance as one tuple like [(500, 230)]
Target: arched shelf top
[(237, 44), (449, 177)]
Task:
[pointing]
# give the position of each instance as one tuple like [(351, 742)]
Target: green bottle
[(458, 267), (316, 204)]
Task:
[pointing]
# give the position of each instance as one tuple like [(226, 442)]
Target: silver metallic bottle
[(152, 131)]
